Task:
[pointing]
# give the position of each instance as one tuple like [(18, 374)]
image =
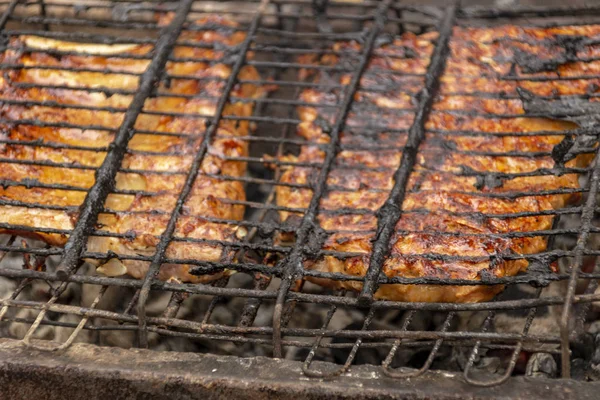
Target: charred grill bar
[(293, 268), (105, 175), (266, 298), (167, 235), (391, 211)]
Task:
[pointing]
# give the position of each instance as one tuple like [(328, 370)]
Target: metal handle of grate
[(277, 33)]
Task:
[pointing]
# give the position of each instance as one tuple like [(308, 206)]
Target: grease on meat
[(160, 160), (446, 212)]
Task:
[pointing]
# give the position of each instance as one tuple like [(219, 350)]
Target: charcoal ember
[(594, 368), (25, 318), (484, 363), (579, 369), (594, 328), (541, 365)]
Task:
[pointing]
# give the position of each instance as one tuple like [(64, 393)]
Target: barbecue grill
[(540, 326)]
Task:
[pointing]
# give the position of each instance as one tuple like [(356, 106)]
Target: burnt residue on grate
[(565, 49), (262, 306), (580, 110)]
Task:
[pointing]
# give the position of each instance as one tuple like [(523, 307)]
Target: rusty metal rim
[(96, 372)]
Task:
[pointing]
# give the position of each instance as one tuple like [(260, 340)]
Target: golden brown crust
[(164, 159), (441, 199)]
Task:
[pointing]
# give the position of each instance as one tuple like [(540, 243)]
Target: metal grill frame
[(291, 269), (95, 372)]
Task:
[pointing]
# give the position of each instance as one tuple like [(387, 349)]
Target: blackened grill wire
[(297, 296), (167, 235), (587, 215), (391, 211), (293, 267), (106, 174), (415, 134)]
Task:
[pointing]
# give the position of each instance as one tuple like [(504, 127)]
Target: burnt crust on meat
[(450, 205), (142, 217)]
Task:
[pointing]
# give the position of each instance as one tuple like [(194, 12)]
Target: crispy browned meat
[(160, 160), (441, 201)]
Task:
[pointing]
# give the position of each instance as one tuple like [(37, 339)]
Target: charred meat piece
[(478, 164), (55, 133)]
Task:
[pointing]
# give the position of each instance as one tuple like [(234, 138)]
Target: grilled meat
[(55, 134), (474, 167)]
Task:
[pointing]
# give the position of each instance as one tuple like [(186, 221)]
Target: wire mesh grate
[(166, 94)]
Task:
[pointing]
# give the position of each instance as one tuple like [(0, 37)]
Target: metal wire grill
[(278, 34)]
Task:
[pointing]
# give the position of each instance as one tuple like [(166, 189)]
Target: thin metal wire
[(513, 359), (301, 297), (167, 324), (391, 211), (7, 14), (175, 323), (349, 360), (524, 11), (166, 236), (432, 354), (105, 175), (72, 336), (252, 305), (294, 261), (311, 354), (587, 215)]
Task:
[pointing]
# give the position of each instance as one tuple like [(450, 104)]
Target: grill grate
[(270, 287)]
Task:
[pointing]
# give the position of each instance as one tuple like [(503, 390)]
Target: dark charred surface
[(579, 110), (468, 146), (563, 48), (582, 111), (72, 177), (466, 153)]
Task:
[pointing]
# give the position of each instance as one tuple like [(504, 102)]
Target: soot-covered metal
[(264, 300)]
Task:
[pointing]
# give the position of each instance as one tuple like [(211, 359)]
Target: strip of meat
[(60, 153), (448, 228)]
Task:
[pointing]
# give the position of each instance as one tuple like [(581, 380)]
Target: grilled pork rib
[(61, 156), (454, 190)]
